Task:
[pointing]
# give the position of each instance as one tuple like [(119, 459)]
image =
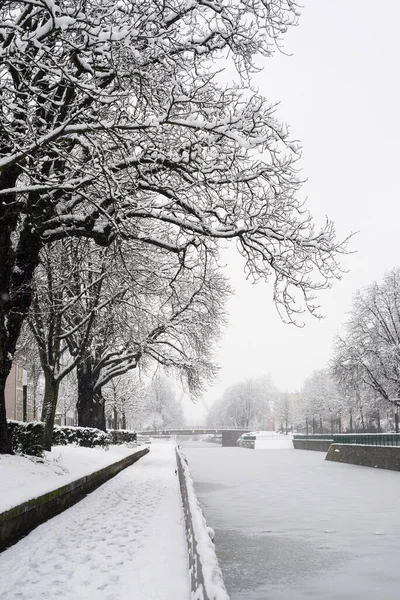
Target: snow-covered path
[(290, 525), (124, 541)]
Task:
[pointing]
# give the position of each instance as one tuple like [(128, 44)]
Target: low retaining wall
[(248, 444), (20, 520), (383, 457), (229, 438), (206, 580), (318, 445)]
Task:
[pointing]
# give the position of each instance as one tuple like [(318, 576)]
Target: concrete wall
[(229, 438), (248, 444), (19, 521), (383, 457), (318, 445)]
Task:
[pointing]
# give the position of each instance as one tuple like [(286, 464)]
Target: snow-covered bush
[(121, 436), (89, 437), (27, 438)]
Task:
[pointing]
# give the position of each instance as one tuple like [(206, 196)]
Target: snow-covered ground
[(290, 525), (283, 443), (23, 478), (125, 541), (269, 440)]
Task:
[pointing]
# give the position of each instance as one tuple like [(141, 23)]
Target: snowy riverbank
[(23, 478), (125, 540)]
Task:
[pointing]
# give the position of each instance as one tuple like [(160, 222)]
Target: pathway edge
[(205, 573)]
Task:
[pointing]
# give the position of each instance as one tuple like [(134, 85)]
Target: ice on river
[(289, 524)]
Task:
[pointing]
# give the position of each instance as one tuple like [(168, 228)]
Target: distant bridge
[(230, 435)]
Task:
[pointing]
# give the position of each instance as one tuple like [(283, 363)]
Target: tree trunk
[(115, 411), (9, 331), (99, 412), (90, 405), (19, 252), (85, 404), (351, 422), (49, 408), (362, 419)]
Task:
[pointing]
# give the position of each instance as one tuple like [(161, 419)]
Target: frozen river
[(291, 526)]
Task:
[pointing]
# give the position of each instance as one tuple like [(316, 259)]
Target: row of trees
[(248, 404), (326, 404), (117, 138), (323, 405), (100, 312), (131, 401), (368, 355), (359, 391), (157, 406), (361, 388)]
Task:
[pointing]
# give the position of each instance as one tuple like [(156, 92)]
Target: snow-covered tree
[(66, 402), (320, 403), (367, 357), (284, 411), (169, 315), (106, 310), (66, 279), (114, 124), (363, 409), (126, 401), (369, 352), (118, 398), (246, 404), (162, 408), (142, 402)]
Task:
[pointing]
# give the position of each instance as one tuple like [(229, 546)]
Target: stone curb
[(20, 520)]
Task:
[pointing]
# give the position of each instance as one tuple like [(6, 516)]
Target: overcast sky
[(339, 92)]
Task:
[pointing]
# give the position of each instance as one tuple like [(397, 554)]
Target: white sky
[(340, 94)]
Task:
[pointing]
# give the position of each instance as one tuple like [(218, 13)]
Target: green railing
[(368, 439), (365, 439)]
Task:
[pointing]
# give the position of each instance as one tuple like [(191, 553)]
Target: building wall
[(68, 419), (14, 395)]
